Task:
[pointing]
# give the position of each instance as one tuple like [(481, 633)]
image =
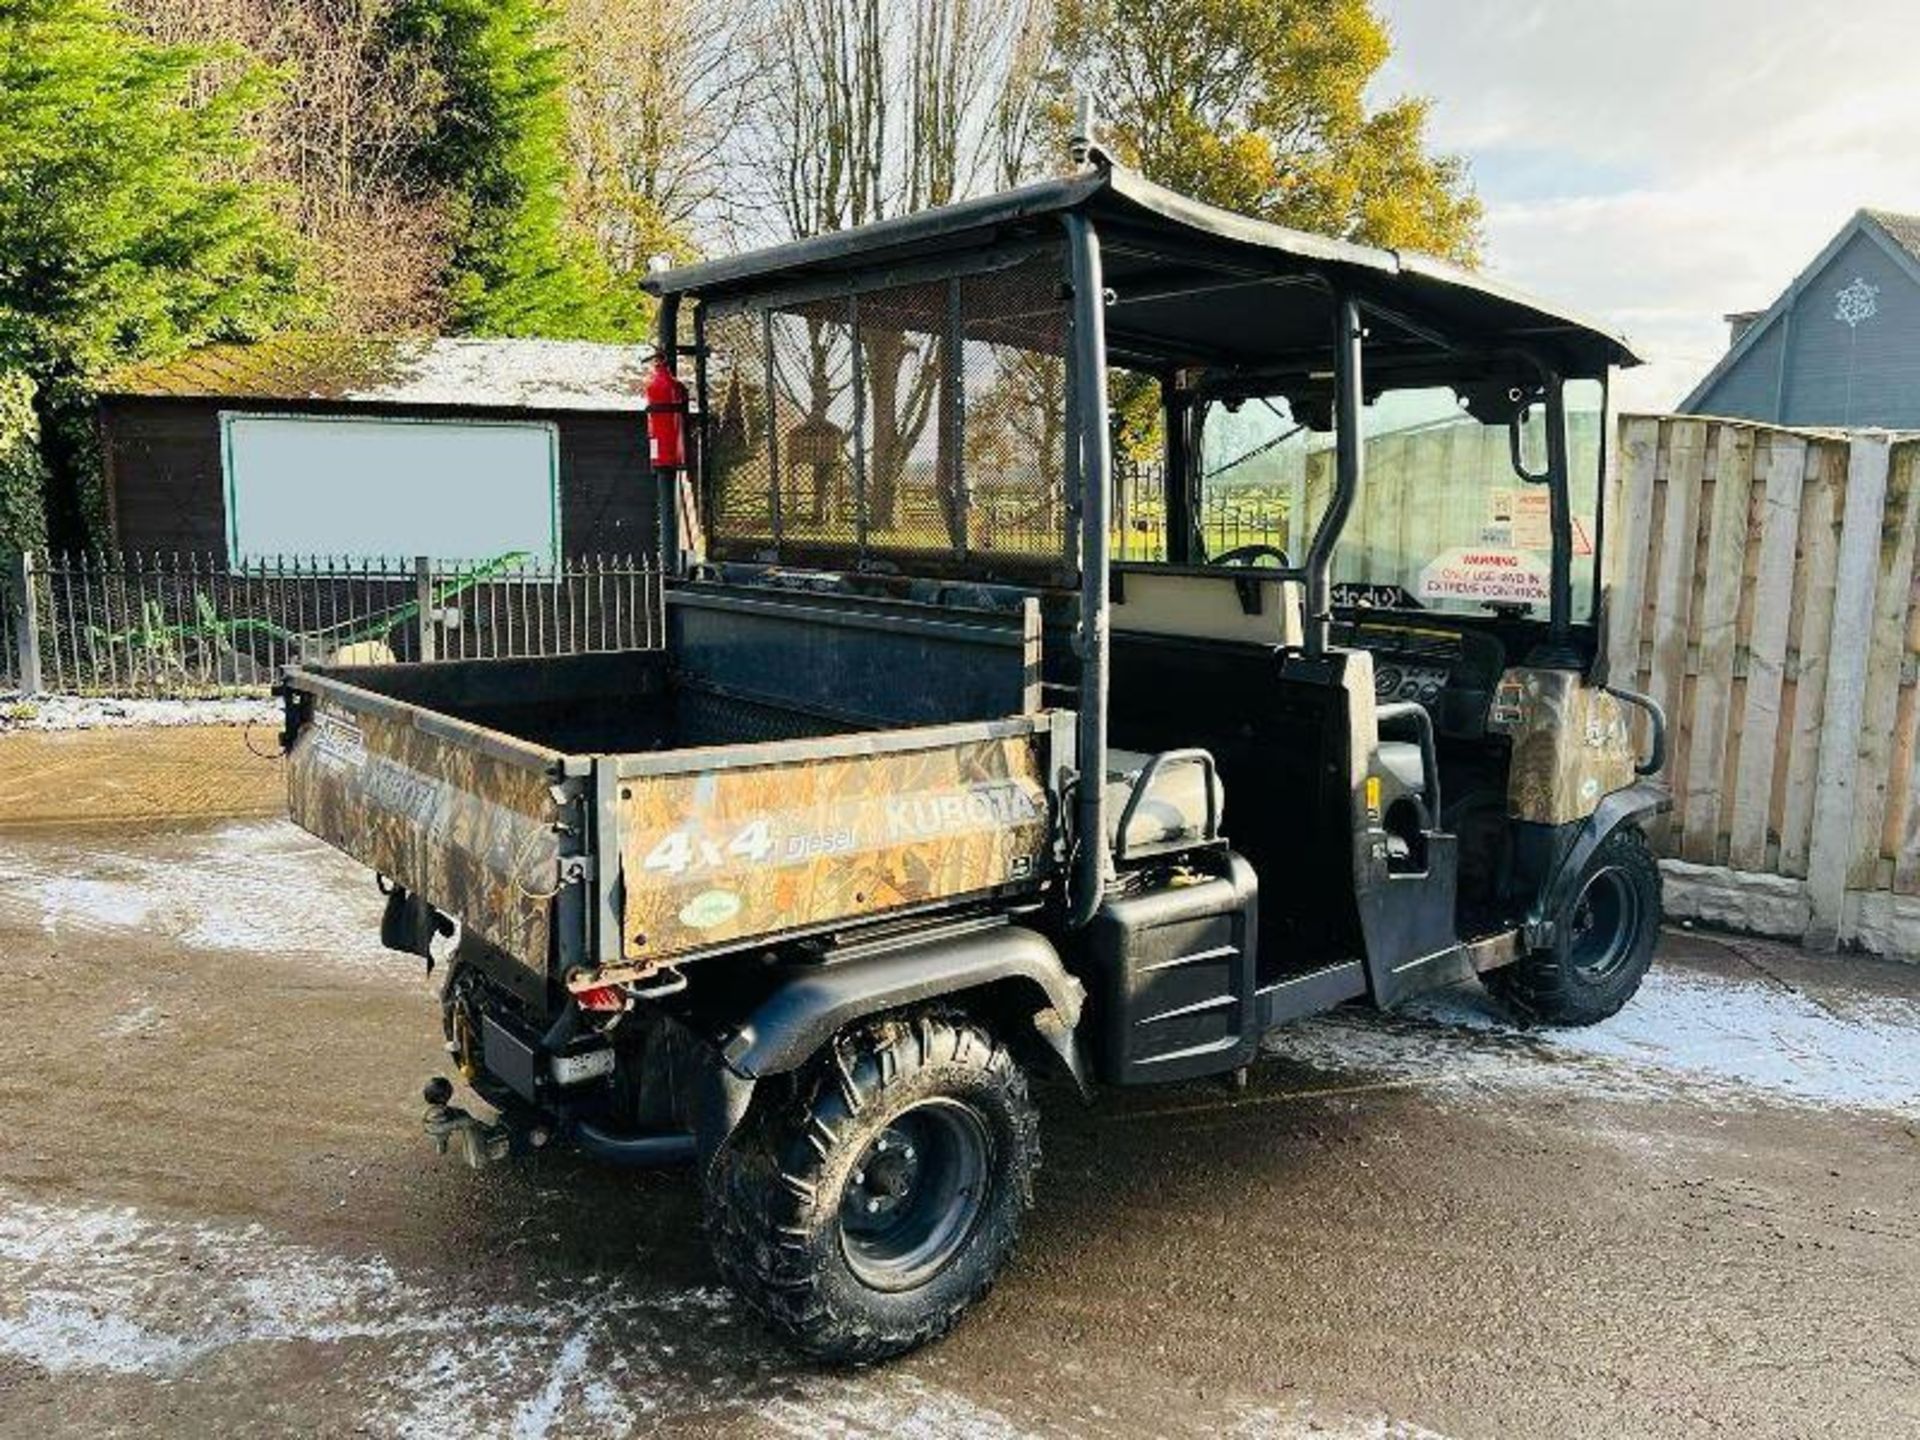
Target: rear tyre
[(1604, 939), (861, 1214)]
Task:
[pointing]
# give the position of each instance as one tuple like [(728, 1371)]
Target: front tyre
[(1603, 941), (861, 1214)]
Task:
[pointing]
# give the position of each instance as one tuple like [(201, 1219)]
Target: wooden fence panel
[(1892, 845), (1830, 852), (1727, 521), (1671, 584), (1809, 641), (1758, 773), (1766, 591), (1886, 654), (1630, 538)]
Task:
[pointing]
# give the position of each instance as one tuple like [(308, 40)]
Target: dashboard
[(1452, 673), (1423, 683)]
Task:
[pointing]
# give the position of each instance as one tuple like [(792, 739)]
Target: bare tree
[(881, 107), (1024, 115), (877, 108), (335, 146), (658, 93)]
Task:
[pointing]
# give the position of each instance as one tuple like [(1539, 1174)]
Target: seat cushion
[(1210, 604), (1174, 811)]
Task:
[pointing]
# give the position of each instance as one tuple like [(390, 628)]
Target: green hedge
[(23, 522)]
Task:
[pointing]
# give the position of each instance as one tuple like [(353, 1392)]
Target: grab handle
[(1429, 750), (1657, 761)]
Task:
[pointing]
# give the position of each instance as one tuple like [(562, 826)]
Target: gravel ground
[(217, 1214)]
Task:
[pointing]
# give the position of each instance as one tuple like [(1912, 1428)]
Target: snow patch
[(254, 886), (61, 1335), (74, 712), (1272, 1423), (112, 1292), (1685, 1034), (143, 1021), (891, 1403)]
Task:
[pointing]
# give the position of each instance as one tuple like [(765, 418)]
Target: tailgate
[(462, 816), (776, 839)]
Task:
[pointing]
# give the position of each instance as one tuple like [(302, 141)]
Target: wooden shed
[(326, 445)]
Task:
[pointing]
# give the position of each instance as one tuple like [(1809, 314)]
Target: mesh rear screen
[(922, 427)]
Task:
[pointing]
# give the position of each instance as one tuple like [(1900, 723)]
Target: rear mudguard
[(1633, 805), (818, 1000), (1015, 970)]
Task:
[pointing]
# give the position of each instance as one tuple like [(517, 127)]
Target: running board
[(1320, 990), (1309, 994), (1454, 963)]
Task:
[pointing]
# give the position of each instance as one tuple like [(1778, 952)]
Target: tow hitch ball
[(476, 1141)]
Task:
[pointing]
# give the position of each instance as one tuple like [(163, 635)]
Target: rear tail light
[(601, 997)]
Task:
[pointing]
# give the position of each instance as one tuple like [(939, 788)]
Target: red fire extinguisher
[(666, 417)]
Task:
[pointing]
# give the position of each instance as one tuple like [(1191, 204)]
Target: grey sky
[(1659, 164)]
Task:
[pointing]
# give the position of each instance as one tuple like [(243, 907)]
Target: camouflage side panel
[(469, 832), (769, 849), (1571, 744)]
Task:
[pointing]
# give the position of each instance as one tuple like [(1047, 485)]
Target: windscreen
[(919, 427), (1443, 520)]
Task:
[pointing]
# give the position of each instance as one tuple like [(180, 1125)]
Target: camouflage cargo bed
[(610, 814)]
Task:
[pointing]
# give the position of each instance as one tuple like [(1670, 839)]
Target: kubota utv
[(954, 770)]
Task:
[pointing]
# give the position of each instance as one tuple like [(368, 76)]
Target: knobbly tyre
[(928, 793)]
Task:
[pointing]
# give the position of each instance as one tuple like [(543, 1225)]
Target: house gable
[(1840, 348)]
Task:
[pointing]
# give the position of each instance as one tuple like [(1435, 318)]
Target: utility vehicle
[(931, 790)]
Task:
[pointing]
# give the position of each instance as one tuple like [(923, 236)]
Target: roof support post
[(1091, 440), (1560, 521), (1349, 402), (667, 482), (1179, 474)]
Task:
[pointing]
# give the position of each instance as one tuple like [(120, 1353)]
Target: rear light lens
[(601, 997)]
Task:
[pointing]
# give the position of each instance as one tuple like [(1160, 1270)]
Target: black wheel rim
[(1604, 924), (915, 1194)]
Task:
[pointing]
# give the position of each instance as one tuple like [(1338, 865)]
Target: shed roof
[(1148, 229), (1904, 229), (545, 375)]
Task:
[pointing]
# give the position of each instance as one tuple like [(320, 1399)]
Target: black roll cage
[(1195, 252)]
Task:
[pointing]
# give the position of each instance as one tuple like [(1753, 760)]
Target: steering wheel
[(1248, 555)]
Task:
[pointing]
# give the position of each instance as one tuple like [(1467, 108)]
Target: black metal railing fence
[(188, 626)]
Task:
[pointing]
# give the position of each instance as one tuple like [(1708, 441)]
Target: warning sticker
[(1532, 520), (1523, 520), (1507, 577)]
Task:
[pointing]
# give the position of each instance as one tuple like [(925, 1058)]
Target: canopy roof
[(1194, 285)]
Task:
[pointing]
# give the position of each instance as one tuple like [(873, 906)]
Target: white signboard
[(1487, 575), (301, 485)]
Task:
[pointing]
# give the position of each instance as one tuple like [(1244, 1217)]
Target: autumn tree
[(123, 230), (1260, 106)]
